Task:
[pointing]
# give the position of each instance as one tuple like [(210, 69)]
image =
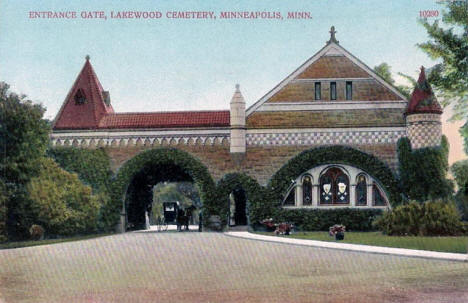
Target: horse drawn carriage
[(174, 214)]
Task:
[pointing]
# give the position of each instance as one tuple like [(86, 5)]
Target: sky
[(193, 64)]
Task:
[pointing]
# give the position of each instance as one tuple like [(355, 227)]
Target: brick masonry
[(260, 162), (327, 119)]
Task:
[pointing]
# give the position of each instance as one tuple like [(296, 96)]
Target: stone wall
[(327, 119), (260, 162)]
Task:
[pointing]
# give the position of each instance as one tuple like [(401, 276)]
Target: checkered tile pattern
[(425, 134), (314, 138), (424, 130)]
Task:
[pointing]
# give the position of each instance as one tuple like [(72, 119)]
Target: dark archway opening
[(139, 195), (238, 212)]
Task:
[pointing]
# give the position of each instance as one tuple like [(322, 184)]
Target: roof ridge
[(169, 112)]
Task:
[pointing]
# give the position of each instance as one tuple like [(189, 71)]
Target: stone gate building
[(331, 99)]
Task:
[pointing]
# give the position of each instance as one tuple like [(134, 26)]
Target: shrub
[(322, 219), (61, 203), (435, 218), (36, 232)]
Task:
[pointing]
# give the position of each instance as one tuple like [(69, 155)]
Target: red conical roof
[(84, 106), (423, 99)]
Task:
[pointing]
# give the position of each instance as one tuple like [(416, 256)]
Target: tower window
[(318, 91), (349, 90), (332, 90), (80, 97)]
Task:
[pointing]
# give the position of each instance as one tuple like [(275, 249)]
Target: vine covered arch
[(281, 180), (159, 159), (255, 193)]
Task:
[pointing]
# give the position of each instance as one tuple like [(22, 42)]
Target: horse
[(183, 217)]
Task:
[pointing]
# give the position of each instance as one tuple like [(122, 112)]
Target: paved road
[(212, 267)]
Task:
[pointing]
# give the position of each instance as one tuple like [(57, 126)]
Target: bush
[(36, 232), (322, 219), (61, 203), (421, 219)]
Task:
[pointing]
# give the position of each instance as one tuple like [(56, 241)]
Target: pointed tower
[(85, 104), (237, 123), (423, 113)]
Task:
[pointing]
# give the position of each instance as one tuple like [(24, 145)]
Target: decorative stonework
[(139, 141), (326, 137), (424, 130)]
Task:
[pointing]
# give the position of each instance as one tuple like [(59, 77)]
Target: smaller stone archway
[(238, 186), (281, 183), (162, 164)]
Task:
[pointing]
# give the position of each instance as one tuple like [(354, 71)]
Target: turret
[(237, 123), (423, 124)]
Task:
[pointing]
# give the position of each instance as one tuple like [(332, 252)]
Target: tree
[(460, 172), (385, 71), (24, 137), (3, 199), (61, 203), (449, 43)]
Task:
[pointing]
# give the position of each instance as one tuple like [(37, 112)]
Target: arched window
[(290, 198), (334, 187), (80, 97), (361, 190), (379, 199), (307, 190)]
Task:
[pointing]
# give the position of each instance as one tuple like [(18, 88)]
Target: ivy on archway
[(311, 158), (151, 159), (257, 196)]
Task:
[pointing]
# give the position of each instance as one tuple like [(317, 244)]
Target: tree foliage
[(423, 171), (449, 44), (385, 71), (24, 137), (3, 211), (460, 172), (61, 203), (91, 165)]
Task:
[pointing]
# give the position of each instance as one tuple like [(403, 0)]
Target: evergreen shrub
[(431, 218)]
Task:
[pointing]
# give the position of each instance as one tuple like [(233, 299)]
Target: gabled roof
[(86, 112), (332, 61), (166, 120), (422, 98)]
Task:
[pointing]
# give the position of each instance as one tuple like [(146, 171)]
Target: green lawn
[(9, 245), (442, 244)]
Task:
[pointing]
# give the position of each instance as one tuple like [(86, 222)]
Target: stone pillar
[(352, 195), (315, 195), (369, 195), (238, 130), (299, 195)]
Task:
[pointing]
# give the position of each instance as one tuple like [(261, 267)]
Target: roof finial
[(87, 57), (332, 36), (237, 87)]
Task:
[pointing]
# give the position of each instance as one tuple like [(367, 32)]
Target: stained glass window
[(361, 190), (307, 191), (334, 187), (379, 199)]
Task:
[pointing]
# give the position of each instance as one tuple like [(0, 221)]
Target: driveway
[(212, 267)]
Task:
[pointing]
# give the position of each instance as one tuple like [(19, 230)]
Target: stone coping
[(404, 252)]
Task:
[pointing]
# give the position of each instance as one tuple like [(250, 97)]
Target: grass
[(19, 244), (441, 244)]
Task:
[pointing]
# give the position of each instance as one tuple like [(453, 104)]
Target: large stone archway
[(163, 164)]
